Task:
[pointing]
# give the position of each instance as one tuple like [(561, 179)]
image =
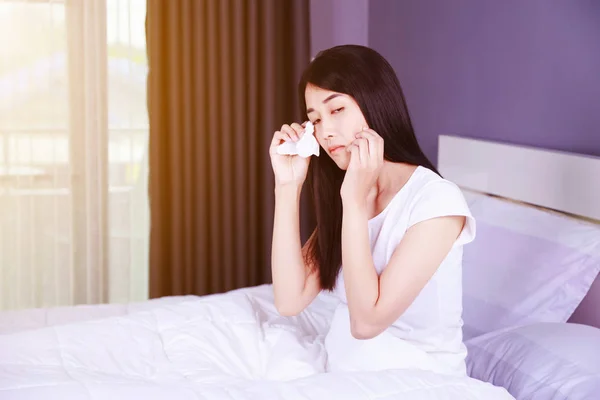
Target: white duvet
[(229, 346)]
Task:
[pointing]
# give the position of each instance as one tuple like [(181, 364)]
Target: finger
[(298, 129), (373, 144), (363, 145), (278, 138), (370, 134), (354, 150), (371, 131), (291, 132), (354, 156), (376, 148)]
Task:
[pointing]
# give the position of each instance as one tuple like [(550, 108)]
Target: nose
[(327, 130)]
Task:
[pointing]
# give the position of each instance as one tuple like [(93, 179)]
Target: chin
[(342, 165)]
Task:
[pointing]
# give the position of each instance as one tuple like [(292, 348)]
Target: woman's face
[(337, 119)]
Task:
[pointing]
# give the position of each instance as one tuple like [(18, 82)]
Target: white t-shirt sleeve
[(442, 198)]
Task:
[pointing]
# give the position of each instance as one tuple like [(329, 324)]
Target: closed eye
[(316, 121), (337, 110)]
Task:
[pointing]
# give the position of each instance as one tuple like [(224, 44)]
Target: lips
[(334, 148)]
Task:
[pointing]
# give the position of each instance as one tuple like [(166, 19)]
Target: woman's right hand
[(288, 169)]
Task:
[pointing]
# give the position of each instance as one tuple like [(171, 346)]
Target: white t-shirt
[(428, 335)]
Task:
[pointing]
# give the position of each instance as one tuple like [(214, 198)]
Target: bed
[(531, 279), (519, 322)]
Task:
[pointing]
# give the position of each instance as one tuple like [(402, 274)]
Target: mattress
[(226, 346)]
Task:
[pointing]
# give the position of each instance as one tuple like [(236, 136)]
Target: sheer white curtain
[(74, 214)]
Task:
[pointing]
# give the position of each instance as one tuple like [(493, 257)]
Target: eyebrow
[(324, 101)]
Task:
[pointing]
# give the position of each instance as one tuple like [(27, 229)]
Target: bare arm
[(295, 283), (374, 301)]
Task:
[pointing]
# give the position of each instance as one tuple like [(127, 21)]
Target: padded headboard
[(563, 182)]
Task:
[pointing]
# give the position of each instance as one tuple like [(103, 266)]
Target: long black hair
[(364, 74)]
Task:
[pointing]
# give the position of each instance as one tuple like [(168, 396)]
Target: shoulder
[(433, 197), (431, 190)]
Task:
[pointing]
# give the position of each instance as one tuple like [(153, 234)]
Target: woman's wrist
[(288, 191), (354, 205)]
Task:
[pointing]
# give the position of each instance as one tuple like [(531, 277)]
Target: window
[(73, 159)]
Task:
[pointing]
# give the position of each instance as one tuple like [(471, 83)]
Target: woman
[(389, 232)]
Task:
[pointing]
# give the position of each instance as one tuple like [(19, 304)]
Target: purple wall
[(522, 72), (335, 22)]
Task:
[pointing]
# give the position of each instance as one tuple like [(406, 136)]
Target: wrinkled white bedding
[(229, 346)]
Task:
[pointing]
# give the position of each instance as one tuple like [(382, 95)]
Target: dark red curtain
[(222, 79)]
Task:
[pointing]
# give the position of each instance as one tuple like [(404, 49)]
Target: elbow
[(362, 331), (287, 310)]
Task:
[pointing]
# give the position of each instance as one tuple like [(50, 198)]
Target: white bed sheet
[(14, 321), (228, 346)]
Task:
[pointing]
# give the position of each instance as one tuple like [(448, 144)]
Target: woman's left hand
[(366, 160)]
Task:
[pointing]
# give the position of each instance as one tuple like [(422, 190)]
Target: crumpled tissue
[(306, 146)]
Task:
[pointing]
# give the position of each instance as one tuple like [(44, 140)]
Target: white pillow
[(540, 361), (526, 265)]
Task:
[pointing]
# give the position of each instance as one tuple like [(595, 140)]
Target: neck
[(392, 177)]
